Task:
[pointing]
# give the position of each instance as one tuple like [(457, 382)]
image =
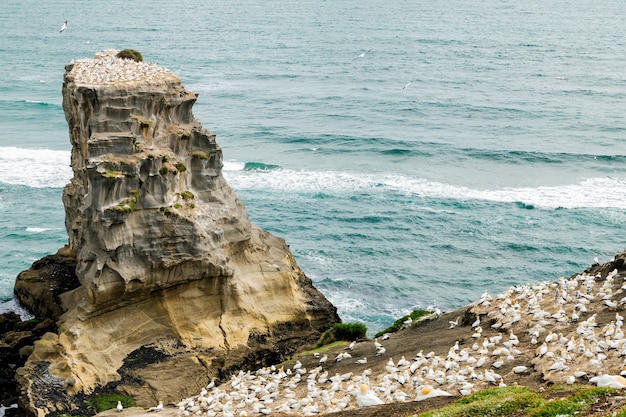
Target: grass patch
[(573, 404), (201, 155), (342, 331), (399, 324), (492, 402), (522, 401), (127, 205), (102, 402)]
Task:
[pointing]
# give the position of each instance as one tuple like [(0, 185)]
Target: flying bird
[(407, 84), (63, 27), (362, 54)]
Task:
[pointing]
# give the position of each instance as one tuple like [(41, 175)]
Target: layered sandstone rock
[(176, 285)]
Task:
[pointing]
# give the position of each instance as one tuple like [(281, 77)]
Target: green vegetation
[(398, 324), (521, 401), (185, 136), (177, 205), (181, 167), (165, 158), (127, 205), (130, 54), (187, 195), (342, 331), (201, 155), (163, 170), (571, 405), (101, 402), (167, 212), (109, 173)]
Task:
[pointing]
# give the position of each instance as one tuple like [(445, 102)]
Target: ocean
[(412, 153)]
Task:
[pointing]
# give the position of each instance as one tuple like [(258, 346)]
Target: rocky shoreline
[(437, 337)]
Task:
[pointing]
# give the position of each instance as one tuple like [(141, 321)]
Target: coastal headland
[(164, 283)]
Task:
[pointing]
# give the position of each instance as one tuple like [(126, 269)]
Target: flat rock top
[(105, 69)]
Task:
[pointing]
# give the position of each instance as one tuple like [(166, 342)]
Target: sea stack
[(174, 284)]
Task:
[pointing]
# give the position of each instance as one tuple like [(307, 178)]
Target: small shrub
[(130, 54), (398, 324), (187, 195), (185, 136), (181, 167), (177, 205), (163, 170), (165, 158), (342, 331)]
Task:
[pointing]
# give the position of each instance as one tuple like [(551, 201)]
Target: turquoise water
[(501, 162)]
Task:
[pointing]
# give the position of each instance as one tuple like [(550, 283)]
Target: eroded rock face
[(166, 257)]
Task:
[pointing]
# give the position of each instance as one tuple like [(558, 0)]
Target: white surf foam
[(37, 229), (588, 193), (35, 167)]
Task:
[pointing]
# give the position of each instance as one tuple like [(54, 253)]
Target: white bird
[(323, 359), (362, 54), (365, 397), (477, 322), (407, 84), (120, 407), (351, 345), (611, 381), (430, 392), (520, 369), (454, 323), (362, 361), (63, 27), (157, 408)]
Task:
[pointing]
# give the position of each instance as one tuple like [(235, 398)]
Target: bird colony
[(105, 69), (543, 329)]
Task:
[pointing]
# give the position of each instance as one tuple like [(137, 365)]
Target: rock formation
[(175, 285)]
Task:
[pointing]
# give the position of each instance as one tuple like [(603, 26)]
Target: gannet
[(362, 54), (63, 27), (430, 392), (366, 398), (611, 381), (120, 407), (157, 408)]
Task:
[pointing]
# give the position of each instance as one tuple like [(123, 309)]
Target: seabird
[(63, 27), (365, 397), (407, 84), (120, 407), (362, 55)]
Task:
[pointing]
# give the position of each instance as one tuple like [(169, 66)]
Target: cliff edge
[(173, 285)]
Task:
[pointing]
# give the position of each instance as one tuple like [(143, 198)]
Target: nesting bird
[(366, 398)]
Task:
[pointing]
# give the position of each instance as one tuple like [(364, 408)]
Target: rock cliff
[(174, 284)]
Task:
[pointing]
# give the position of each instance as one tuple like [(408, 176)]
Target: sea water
[(412, 153)]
